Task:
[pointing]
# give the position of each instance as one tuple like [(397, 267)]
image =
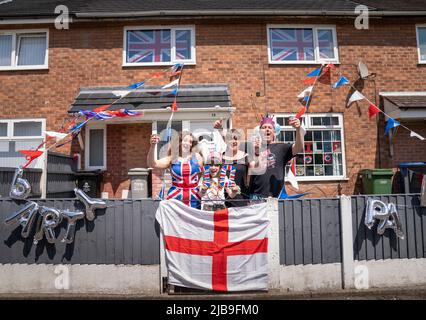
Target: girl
[(212, 193)]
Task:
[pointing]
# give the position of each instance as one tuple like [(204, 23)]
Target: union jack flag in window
[(183, 44), (326, 44), (148, 46), (292, 44)]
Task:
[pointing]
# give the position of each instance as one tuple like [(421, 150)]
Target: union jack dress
[(185, 182)]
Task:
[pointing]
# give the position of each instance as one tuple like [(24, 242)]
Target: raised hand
[(154, 139)]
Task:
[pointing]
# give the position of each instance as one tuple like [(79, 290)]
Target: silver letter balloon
[(25, 217), (72, 218), (90, 204), (47, 219), (386, 214), (21, 188)]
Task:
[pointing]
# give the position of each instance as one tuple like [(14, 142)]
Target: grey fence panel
[(287, 245), (32, 175), (368, 245), (150, 235), (299, 244), (124, 233), (316, 231), (309, 231)]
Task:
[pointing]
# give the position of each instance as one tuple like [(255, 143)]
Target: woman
[(239, 159), (184, 168)]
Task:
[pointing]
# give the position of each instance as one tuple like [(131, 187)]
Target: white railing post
[(347, 242), (43, 178), (273, 245)]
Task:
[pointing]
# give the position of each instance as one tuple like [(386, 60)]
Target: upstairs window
[(23, 50), (421, 43), (289, 45), (159, 46)]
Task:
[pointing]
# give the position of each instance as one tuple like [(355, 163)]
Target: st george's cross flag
[(224, 250)]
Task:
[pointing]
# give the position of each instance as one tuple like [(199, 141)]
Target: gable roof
[(134, 8), (153, 97)]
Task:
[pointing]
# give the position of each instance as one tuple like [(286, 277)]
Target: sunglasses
[(232, 138)]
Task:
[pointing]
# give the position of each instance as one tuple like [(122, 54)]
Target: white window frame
[(15, 47), (315, 29), (418, 26), (173, 59), (308, 126), (94, 126), (11, 137)]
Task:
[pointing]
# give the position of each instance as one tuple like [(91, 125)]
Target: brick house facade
[(234, 51)]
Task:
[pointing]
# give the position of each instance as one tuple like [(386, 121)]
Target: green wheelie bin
[(376, 181)]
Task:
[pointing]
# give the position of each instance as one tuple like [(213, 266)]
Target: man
[(270, 158)]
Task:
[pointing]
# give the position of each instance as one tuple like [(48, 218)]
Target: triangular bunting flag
[(342, 81), (171, 84), (30, 156), (284, 195), (391, 123), (102, 108), (171, 93), (314, 73), (373, 110), (120, 93), (416, 135), (310, 81), (305, 92), (291, 175), (356, 96), (57, 135), (325, 77), (136, 85)]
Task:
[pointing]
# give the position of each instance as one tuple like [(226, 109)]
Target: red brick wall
[(234, 52), (126, 149)]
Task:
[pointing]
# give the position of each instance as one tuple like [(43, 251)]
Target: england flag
[(224, 250)]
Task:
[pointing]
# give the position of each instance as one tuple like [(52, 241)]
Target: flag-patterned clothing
[(185, 182)]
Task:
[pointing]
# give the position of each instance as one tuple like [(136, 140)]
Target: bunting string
[(315, 76), (100, 113)]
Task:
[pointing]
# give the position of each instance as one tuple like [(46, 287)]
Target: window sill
[(166, 64), (24, 68), (101, 169), (320, 179), (305, 62)]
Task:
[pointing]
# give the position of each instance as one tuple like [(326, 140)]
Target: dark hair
[(182, 135)]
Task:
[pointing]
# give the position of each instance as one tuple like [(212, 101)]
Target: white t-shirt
[(214, 194)]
